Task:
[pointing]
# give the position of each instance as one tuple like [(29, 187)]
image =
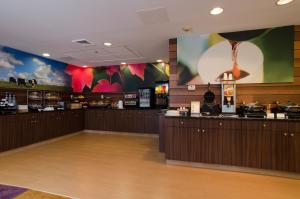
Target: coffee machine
[(209, 106), (228, 96)]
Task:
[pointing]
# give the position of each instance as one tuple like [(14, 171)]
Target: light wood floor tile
[(108, 166)]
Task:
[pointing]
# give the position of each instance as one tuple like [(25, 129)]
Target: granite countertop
[(228, 117)]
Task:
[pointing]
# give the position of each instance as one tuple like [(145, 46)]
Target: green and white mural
[(255, 56)]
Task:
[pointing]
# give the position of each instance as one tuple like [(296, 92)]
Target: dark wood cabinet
[(25, 129), (287, 148), (178, 143), (150, 121), (255, 143), (136, 121)]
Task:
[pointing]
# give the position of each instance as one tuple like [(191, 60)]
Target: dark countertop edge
[(142, 109), (41, 112), (68, 110), (231, 118)]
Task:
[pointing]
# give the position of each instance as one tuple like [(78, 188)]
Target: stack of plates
[(22, 108), (172, 113)]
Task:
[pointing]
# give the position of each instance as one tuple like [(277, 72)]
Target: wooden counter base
[(259, 143)]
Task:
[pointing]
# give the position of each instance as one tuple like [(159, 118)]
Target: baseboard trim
[(122, 133), (38, 144), (235, 169)]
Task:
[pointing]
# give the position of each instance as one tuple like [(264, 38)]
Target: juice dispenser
[(228, 96)]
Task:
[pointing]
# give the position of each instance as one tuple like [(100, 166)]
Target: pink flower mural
[(114, 78), (137, 69), (81, 77), (105, 86), (110, 70)]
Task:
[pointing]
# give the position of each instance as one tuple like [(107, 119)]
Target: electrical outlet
[(191, 87)]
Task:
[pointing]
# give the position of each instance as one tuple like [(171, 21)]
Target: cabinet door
[(81, 120), (252, 143), (2, 132), (200, 141), (51, 124), (38, 128), (28, 129), (86, 119), (122, 120), (279, 144), (151, 121), (198, 145), (12, 133), (139, 121), (215, 133), (162, 128), (109, 120), (268, 129), (294, 146), (90, 119), (169, 143), (229, 142), (178, 143)]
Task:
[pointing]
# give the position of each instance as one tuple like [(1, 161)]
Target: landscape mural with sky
[(54, 75)]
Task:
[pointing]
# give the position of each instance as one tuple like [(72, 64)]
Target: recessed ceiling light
[(283, 2), (159, 60), (216, 11), (46, 54), (107, 44), (123, 63), (187, 29)]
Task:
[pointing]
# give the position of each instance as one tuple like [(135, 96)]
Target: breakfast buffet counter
[(23, 129), (272, 144)]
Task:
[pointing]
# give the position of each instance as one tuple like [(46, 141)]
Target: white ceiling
[(138, 29)]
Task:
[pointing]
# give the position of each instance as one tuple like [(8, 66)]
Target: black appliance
[(8, 104), (146, 97), (252, 110), (162, 94), (292, 112), (209, 106)]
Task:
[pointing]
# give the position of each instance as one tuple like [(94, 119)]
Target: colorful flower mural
[(117, 78)]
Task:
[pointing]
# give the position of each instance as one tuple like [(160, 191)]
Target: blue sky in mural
[(18, 64)]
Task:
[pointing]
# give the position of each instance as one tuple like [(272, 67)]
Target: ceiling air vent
[(83, 42)]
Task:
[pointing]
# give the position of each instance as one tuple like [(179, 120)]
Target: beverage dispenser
[(162, 94), (228, 96)]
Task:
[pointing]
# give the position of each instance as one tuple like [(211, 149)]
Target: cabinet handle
[(292, 134), (265, 125), (181, 123), (221, 124), (203, 130), (285, 134), (198, 130)]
